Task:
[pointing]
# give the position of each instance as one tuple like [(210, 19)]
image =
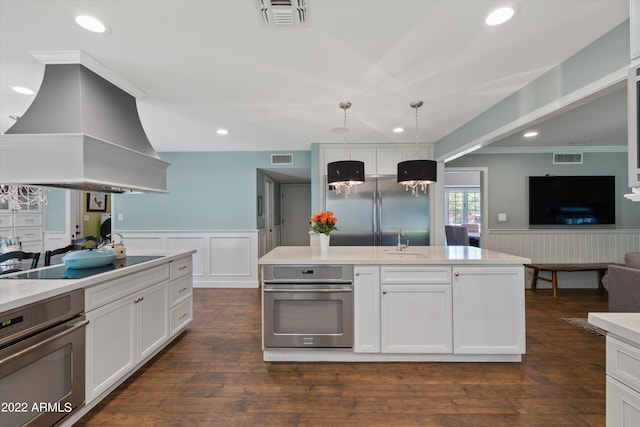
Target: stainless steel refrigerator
[(372, 216)]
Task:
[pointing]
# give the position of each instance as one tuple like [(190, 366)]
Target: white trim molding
[(223, 259)]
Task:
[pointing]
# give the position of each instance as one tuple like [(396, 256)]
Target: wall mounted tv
[(572, 200)]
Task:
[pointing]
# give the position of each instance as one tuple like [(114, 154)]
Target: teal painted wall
[(207, 191), (602, 57), (508, 184)]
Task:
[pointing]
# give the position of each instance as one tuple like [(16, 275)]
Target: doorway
[(295, 213), (465, 201)]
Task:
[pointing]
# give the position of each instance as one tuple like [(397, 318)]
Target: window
[(463, 206)]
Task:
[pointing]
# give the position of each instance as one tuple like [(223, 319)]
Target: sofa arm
[(623, 284)]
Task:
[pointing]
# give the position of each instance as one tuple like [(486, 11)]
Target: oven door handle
[(306, 290), (70, 328)]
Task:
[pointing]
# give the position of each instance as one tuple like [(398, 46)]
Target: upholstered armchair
[(623, 284)]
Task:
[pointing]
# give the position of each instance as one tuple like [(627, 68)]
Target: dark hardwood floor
[(213, 375)]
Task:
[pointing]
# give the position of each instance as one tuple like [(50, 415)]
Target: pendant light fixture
[(345, 174), (417, 174)]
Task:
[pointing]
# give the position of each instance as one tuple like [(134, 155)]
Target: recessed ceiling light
[(500, 16), (398, 130), (222, 131), (22, 90), (530, 134), (92, 24)]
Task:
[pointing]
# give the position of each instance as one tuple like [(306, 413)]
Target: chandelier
[(22, 196), (417, 174), (345, 174)]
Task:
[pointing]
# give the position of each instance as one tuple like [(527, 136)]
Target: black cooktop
[(62, 272)]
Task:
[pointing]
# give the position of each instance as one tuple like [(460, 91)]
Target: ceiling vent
[(567, 158), (283, 12), (282, 159)]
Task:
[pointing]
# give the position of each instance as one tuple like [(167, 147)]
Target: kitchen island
[(455, 304), (133, 307), (623, 366)]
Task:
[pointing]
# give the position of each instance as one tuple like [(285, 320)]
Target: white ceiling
[(206, 64)]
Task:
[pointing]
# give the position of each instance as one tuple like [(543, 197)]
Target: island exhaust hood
[(82, 131)]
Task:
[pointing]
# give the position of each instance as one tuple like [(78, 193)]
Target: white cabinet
[(488, 310), (366, 309), (416, 310), (25, 224), (623, 383), (181, 295), (124, 330), (366, 155), (379, 159)]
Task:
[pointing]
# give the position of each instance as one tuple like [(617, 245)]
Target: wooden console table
[(601, 268)]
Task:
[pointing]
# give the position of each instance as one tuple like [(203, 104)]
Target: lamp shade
[(351, 171), (417, 170)]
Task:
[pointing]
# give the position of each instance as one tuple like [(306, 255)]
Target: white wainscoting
[(223, 259), (551, 246), (562, 246), (55, 240)]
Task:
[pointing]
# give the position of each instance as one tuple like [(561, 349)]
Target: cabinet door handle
[(384, 292), (357, 274), (182, 290), (183, 316), (182, 268)]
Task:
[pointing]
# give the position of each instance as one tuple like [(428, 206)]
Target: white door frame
[(484, 197), (268, 213)]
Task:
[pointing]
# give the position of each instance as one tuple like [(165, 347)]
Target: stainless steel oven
[(308, 306), (42, 361)]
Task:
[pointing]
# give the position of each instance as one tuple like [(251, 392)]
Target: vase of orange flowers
[(322, 224)]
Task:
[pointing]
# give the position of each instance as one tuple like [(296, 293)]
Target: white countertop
[(388, 255), (18, 292), (623, 325)]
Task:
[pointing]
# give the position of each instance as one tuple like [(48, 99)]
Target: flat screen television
[(572, 200)]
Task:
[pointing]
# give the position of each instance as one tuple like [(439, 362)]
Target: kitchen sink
[(396, 253)]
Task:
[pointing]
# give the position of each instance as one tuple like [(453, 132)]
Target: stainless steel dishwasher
[(308, 306)]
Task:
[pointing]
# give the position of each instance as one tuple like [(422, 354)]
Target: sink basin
[(396, 253)]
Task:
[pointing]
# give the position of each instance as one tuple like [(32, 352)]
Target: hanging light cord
[(415, 105)]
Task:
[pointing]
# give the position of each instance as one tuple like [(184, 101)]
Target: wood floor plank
[(213, 375)]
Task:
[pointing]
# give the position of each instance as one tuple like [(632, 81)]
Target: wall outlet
[(86, 218), (120, 217), (502, 217)]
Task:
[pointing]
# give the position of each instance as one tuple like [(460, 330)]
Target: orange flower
[(323, 222)]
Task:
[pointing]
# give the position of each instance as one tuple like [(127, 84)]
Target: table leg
[(600, 277), (534, 279), (554, 283)]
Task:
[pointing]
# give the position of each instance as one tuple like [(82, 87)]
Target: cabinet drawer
[(28, 220), (6, 221), (181, 315), (623, 405), (104, 293), (180, 289), (623, 362), (180, 267), (418, 275), (29, 234)]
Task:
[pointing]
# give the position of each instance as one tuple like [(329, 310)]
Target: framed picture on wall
[(96, 202)]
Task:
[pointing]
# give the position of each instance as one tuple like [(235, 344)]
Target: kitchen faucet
[(400, 246)]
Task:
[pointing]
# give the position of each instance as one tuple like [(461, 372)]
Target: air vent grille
[(283, 12), (282, 159), (567, 158)]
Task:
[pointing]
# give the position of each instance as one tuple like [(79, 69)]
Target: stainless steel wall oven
[(42, 361), (308, 306)]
